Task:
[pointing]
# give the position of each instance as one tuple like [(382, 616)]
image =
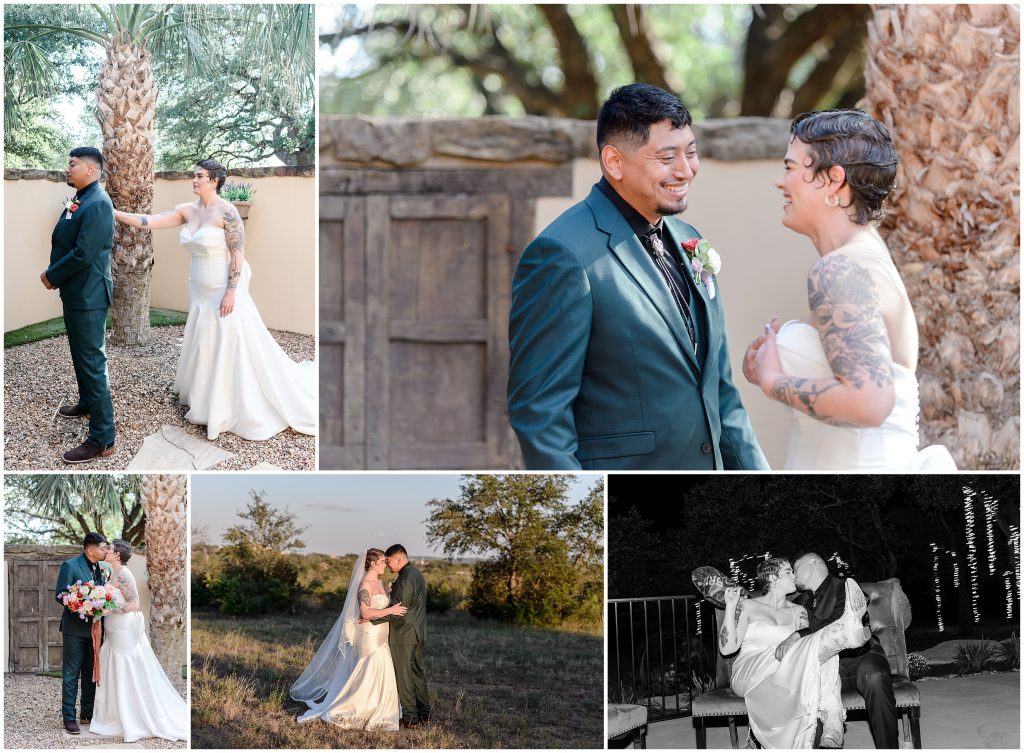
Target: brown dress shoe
[(71, 726), (73, 411), (85, 722), (88, 451), (404, 723)]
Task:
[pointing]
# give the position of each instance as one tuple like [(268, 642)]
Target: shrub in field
[(200, 595), (439, 598), (917, 665), (252, 581)]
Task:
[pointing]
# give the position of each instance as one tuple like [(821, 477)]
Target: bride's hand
[(227, 303), (767, 365), (397, 609), (749, 358)]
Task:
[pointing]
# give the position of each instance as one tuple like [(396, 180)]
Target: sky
[(344, 513)]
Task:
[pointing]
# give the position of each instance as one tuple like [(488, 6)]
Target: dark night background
[(661, 527)]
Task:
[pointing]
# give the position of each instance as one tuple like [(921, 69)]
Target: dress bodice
[(379, 601), (761, 635), (206, 241), (814, 444)]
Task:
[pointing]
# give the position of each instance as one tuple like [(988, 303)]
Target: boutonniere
[(71, 206), (704, 262)]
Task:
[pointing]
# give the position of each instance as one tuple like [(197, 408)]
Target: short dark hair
[(394, 549), (123, 549), (92, 539), (216, 170), (859, 144), (630, 111), (768, 571), (89, 153)]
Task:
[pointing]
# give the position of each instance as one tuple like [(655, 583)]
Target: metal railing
[(660, 653)]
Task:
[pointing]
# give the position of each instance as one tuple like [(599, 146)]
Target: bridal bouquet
[(90, 601)]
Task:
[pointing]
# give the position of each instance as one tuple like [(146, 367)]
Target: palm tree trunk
[(946, 80), (126, 101), (164, 496)]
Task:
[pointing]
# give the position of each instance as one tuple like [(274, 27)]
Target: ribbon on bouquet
[(97, 634)]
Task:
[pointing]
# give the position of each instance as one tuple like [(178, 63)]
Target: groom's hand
[(787, 644), (46, 283)]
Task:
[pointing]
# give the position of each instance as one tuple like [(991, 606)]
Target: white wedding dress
[(783, 698), (232, 374), (814, 445), (361, 691), (134, 698)]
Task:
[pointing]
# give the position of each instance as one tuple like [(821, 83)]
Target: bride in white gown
[(846, 372), (232, 374), (350, 681), (785, 699), (134, 698)]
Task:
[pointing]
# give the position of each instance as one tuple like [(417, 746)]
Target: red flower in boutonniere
[(71, 206), (704, 262)]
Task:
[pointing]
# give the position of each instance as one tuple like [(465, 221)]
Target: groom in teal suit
[(80, 268), (619, 357), (76, 633)]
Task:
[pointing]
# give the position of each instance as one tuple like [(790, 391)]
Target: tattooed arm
[(367, 612), (170, 218), (734, 624), (234, 236), (846, 312)]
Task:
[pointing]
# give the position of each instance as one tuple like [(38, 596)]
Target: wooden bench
[(889, 612)]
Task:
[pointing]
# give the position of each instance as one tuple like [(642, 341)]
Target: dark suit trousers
[(412, 685), (86, 338), (869, 675), (76, 663)]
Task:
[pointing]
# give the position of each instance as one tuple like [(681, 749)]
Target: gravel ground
[(38, 378), (32, 717)]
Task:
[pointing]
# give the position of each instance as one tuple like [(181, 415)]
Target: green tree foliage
[(60, 508), (545, 554), (563, 60), (255, 574), (228, 90)]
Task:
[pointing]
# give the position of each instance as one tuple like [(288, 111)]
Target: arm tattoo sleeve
[(364, 596), (234, 235), (723, 636), (801, 619), (845, 306)]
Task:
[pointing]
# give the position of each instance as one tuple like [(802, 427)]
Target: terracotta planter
[(243, 209)]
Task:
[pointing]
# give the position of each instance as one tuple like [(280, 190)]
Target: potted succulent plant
[(239, 194)]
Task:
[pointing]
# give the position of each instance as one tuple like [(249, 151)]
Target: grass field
[(491, 686)]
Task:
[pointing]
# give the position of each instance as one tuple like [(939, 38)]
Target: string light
[(1009, 595), (972, 553), (938, 590), (1015, 541), (990, 516)]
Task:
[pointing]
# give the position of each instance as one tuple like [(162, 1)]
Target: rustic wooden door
[(33, 615), (414, 296)]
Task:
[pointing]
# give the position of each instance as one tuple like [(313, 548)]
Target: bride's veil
[(332, 655)]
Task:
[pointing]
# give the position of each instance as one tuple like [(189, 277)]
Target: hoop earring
[(829, 203)]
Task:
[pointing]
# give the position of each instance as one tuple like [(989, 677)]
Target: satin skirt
[(134, 698), (363, 693)]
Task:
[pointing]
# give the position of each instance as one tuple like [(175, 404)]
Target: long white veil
[(333, 655)]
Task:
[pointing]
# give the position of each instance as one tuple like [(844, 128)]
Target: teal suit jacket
[(72, 570), (80, 252), (602, 374)]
